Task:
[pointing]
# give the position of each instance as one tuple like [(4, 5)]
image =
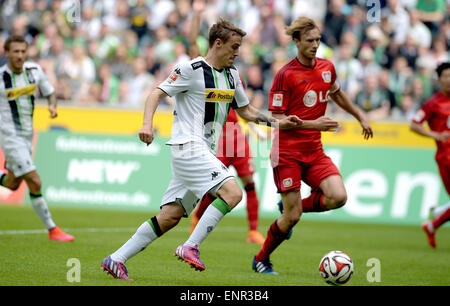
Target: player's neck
[(305, 61), (211, 59), (14, 69)]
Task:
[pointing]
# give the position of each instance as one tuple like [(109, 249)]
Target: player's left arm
[(250, 113), (48, 91), (52, 105), (341, 99)]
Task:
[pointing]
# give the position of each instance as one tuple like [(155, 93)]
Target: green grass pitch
[(27, 257)]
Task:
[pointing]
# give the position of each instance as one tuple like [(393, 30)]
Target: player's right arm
[(198, 7), (417, 126), (323, 123), (279, 105), (153, 100)]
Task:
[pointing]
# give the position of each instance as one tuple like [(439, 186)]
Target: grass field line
[(111, 230)]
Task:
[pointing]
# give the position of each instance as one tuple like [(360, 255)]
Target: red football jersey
[(302, 91), (436, 111)]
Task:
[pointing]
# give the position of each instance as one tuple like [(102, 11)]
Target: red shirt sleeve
[(423, 114), (279, 95)]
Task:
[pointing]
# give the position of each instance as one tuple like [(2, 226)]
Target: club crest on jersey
[(287, 182), (277, 100), (326, 76), (218, 95), (310, 98)]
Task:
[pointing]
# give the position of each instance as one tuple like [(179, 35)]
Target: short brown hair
[(223, 30), (300, 26), (13, 38)]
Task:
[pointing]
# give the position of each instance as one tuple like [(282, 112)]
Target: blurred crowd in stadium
[(113, 52)]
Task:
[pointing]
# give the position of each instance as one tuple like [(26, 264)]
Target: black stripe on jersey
[(232, 86), (210, 107), (15, 115), (230, 79), (12, 103), (31, 80), (32, 105)]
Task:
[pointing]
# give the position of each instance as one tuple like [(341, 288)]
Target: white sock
[(205, 225), (430, 226), (41, 208), (137, 243), (440, 210)]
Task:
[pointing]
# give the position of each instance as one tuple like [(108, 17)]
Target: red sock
[(204, 203), (314, 203), (252, 206), (275, 236), (444, 217)]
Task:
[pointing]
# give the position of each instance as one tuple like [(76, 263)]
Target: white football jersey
[(17, 96), (203, 97)]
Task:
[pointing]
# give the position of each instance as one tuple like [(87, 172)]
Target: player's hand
[(326, 124), (146, 134), (290, 122), (367, 129), (52, 110), (444, 136), (198, 6)]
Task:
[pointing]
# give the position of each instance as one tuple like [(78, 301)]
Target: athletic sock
[(252, 206), (40, 207), (145, 234), (213, 214), (440, 210), (444, 217), (314, 203), (275, 236)]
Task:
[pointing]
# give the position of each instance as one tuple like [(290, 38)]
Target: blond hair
[(300, 26)]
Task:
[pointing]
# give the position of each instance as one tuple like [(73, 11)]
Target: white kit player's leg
[(40, 207), (211, 217), (144, 235)]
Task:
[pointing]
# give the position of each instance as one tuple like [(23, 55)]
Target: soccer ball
[(336, 268)]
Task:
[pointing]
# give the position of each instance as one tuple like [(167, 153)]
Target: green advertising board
[(88, 170), (384, 185)]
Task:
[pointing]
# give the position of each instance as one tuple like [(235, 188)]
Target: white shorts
[(18, 153), (195, 172)]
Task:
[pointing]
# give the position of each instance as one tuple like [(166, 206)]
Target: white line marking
[(113, 230)]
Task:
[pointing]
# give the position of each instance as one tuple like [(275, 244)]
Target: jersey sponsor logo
[(310, 98), (277, 100), (12, 94), (326, 76), (196, 65), (217, 95), (287, 182)]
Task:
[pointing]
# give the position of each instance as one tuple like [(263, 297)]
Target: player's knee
[(13, 186), (34, 184), (231, 193), (235, 197), (338, 200)]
